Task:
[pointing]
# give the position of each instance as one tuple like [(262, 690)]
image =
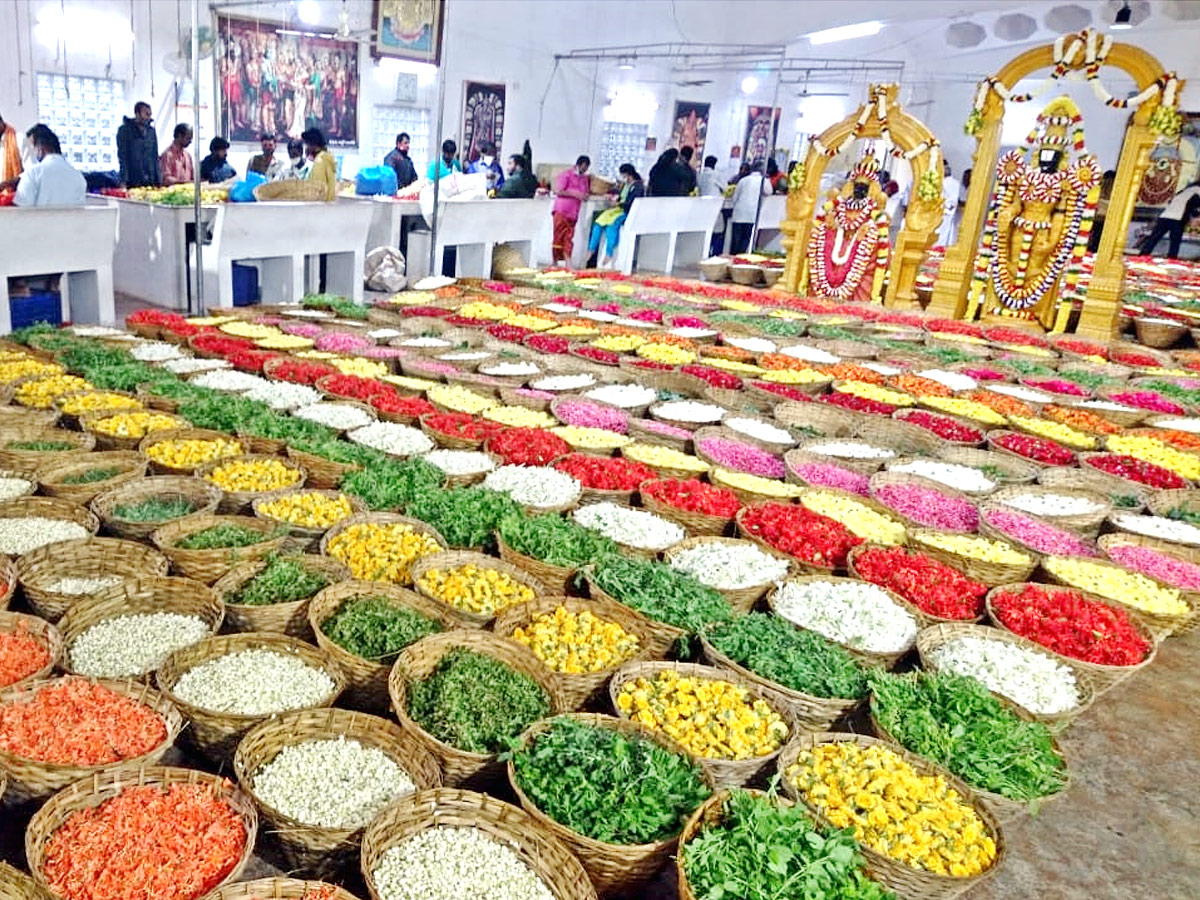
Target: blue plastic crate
[(245, 285), (40, 306)]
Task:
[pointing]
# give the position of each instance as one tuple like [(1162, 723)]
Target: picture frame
[(482, 118), (408, 29), (689, 128)]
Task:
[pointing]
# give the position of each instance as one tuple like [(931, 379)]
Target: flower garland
[(877, 102), (836, 276)]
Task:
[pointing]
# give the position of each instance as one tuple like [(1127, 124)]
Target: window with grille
[(85, 113), (621, 142)]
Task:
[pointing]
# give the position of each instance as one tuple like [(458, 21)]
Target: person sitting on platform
[(399, 160), (215, 168), (1172, 221), (298, 164), (265, 163), (521, 184), (176, 163), (440, 168), (488, 165), (324, 166), (51, 181), (608, 223)]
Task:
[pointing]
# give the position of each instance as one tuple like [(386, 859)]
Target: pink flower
[(742, 457), (929, 507), (1159, 566), (829, 475), (1037, 534)]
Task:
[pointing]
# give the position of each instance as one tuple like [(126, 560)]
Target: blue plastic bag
[(373, 180), (243, 191)]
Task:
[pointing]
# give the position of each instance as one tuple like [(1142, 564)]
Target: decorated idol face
[(1048, 160), (861, 190)]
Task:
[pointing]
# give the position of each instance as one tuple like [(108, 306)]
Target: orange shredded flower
[(845, 371), (1005, 405), (1184, 440), (21, 654), (1090, 422), (919, 386)]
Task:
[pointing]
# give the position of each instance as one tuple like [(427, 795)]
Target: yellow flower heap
[(707, 717), (894, 810), (475, 589), (254, 475), (308, 509), (577, 643), (375, 551)]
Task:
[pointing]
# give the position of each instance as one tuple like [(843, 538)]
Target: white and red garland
[(877, 104), (840, 253)]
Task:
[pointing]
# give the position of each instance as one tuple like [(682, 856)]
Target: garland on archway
[(877, 103)]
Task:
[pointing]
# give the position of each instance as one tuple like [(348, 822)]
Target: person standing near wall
[(951, 190), (324, 166), (440, 168), (176, 165), (1173, 220), (571, 187), (137, 148), (745, 208), (265, 163), (398, 159), (489, 166)]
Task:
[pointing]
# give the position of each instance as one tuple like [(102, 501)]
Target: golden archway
[(1154, 116), (880, 117)]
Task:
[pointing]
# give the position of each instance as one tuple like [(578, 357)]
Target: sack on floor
[(384, 270)]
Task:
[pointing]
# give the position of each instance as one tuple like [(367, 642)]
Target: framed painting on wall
[(760, 136), (281, 82), (483, 118), (408, 29), (690, 128)]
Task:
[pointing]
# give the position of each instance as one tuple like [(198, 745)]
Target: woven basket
[(695, 523), (453, 559), (1158, 624), (907, 881), (897, 434), (215, 735), (156, 402), (703, 434), (656, 412), (881, 480), (644, 435), (994, 445), (31, 480), (553, 578), (583, 690), (73, 420), (418, 661), (261, 446), (42, 632), (615, 869), (1087, 523), (1177, 551), (367, 679), (927, 481), (802, 454), (378, 518), (86, 558), (29, 461), (505, 824), (180, 434), (280, 618), (15, 884), (50, 508), (209, 565), (32, 779), (935, 636), (870, 658), (799, 565), (722, 772), (95, 790), (305, 539), (1096, 482), (1103, 678), (741, 599), (202, 495), (290, 191), (665, 471), (985, 571), (21, 418), (313, 849), (277, 888), (1014, 470), (321, 473), (239, 502), (902, 415), (1162, 502), (131, 465), (988, 530)]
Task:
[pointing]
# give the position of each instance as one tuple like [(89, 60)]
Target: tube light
[(845, 32)]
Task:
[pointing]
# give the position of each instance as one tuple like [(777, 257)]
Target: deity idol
[(848, 245), (1039, 221)]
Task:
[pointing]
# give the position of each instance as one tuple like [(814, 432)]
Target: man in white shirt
[(951, 189), (1173, 220), (51, 181), (745, 208)]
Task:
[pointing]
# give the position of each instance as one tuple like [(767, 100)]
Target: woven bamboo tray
[(41, 631), (215, 735), (896, 434), (53, 478), (935, 636), (552, 578), (50, 508), (277, 888), (1103, 678), (40, 570), (96, 789), (880, 480), (16, 885), (182, 434), (30, 779), (234, 503), (870, 658), (559, 870), (202, 495), (289, 618), (988, 530), (317, 850), (741, 599), (1013, 469), (907, 881), (722, 772), (453, 559), (583, 690), (303, 539), (209, 565), (985, 571), (367, 679), (321, 473), (695, 523), (644, 435), (1160, 625), (379, 518), (902, 415), (29, 461), (1086, 523), (181, 596), (804, 453), (614, 869)]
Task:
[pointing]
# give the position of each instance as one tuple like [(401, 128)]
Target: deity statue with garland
[(848, 246), (1038, 223)]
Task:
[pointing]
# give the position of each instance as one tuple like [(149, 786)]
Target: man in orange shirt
[(176, 165)]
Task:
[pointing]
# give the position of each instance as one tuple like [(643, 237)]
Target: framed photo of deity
[(482, 118), (282, 82), (760, 135), (408, 29), (1172, 166), (690, 128)]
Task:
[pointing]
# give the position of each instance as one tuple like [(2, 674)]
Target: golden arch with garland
[(1099, 311), (880, 118)]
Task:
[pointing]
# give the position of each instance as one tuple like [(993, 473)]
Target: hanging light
[(309, 11), (749, 84), (625, 64), (1123, 20)]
